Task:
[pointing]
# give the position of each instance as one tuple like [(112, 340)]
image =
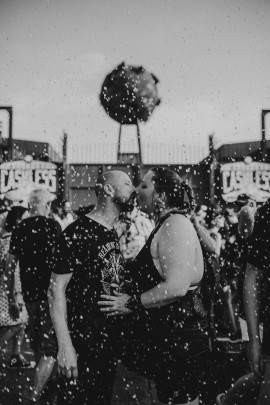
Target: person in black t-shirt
[(88, 263), (257, 300), (256, 385), (32, 244)]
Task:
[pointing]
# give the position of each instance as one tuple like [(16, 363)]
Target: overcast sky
[(212, 58)]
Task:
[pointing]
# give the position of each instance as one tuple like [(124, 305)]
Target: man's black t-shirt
[(91, 252), (259, 256), (33, 242)]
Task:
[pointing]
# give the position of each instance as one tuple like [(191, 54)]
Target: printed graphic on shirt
[(113, 271)]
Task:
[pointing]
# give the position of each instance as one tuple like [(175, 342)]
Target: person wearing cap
[(32, 244)]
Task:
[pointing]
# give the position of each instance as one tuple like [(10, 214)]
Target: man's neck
[(106, 215)]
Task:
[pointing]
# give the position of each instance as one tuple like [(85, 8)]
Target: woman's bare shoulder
[(177, 223), (176, 220)]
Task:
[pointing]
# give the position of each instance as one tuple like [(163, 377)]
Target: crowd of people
[(146, 277)]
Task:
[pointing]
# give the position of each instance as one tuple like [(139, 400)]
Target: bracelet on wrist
[(134, 303)]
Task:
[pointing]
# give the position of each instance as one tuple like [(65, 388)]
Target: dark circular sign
[(129, 94)]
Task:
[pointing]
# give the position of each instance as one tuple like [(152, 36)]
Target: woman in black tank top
[(167, 329)]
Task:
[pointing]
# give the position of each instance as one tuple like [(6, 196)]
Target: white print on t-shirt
[(107, 247), (113, 271)]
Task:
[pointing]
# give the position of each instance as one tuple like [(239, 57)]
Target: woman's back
[(176, 244)]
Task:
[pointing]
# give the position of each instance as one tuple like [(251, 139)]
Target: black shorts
[(97, 361), (41, 332), (181, 366)]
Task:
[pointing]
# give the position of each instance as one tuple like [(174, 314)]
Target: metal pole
[(119, 144), (65, 169), (263, 141), (10, 128), (139, 142), (10, 142), (212, 163)]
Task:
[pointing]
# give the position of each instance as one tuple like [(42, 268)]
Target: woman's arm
[(218, 243), (176, 255)]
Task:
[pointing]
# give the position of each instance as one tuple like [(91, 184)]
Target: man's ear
[(108, 189)]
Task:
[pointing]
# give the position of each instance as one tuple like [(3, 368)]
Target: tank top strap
[(159, 223)]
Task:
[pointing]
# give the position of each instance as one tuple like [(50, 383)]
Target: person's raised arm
[(218, 241), (252, 302), (9, 280), (206, 240), (67, 358)]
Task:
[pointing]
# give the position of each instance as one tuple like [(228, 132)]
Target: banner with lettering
[(248, 177), (24, 175)]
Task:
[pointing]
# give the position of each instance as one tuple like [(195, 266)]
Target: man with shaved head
[(32, 244), (87, 264)]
